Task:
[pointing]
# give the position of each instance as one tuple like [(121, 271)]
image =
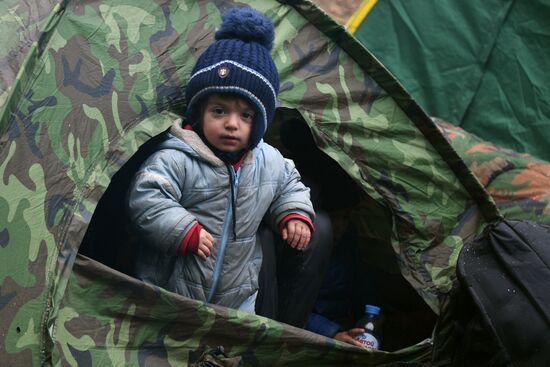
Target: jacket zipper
[(227, 225)]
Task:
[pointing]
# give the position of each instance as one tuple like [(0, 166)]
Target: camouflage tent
[(518, 183), (85, 86)]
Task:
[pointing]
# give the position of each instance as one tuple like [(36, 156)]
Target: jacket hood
[(190, 143)]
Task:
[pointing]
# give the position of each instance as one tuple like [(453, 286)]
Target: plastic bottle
[(372, 323)]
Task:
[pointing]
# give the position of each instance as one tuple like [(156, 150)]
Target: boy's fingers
[(206, 235), (205, 249), (291, 240), (201, 254), (297, 234), (300, 240), (305, 242), (305, 237), (206, 239), (209, 236)]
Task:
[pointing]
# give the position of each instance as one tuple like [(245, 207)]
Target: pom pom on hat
[(248, 25), (238, 62)]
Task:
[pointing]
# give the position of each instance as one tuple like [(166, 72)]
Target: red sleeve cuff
[(301, 217), (190, 242)]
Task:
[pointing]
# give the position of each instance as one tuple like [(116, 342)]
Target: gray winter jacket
[(184, 183)]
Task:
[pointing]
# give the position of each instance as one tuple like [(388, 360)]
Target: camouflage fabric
[(20, 26), (92, 90), (518, 183)]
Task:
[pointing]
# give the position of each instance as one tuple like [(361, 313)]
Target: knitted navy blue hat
[(238, 62)]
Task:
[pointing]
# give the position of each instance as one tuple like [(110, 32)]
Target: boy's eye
[(218, 110), (247, 115)]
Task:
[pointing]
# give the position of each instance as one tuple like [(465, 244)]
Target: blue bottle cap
[(374, 310)]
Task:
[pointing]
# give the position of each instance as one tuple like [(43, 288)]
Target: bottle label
[(367, 340)]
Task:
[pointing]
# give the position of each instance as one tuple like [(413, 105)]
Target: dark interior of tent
[(372, 274)]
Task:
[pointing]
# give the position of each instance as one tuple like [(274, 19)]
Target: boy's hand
[(206, 242), (349, 336), (297, 234)]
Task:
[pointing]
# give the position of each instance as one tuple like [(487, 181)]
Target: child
[(196, 203)]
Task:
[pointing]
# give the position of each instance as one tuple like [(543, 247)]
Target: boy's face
[(227, 122)]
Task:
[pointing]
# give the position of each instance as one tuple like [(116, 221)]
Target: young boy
[(196, 203)]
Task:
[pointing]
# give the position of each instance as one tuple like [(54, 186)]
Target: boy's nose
[(232, 121)]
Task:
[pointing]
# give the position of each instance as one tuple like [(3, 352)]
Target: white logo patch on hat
[(223, 72)]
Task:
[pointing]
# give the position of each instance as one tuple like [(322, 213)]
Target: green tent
[(91, 93), (479, 65)]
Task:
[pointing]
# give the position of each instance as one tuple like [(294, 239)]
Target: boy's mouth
[(229, 139)]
